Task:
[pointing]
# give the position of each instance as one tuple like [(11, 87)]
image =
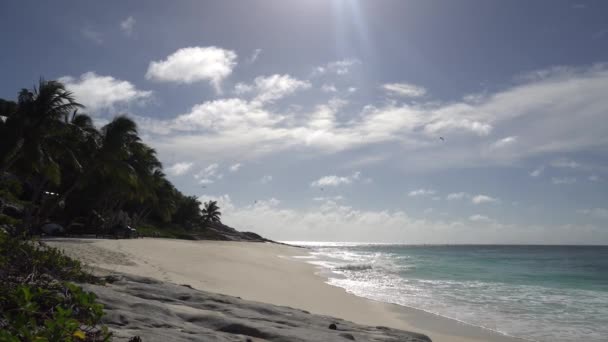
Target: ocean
[(540, 293)]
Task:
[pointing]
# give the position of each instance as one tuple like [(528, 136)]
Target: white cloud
[(352, 89), (404, 89), (508, 141), (479, 199), (209, 174), (235, 167), (271, 88), (179, 169), (269, 203), (458, 124), (546, 103), (242, 88), (421, 192), (103, 92), (537, 172), (334, 180), (328, 88), (266, 179), (479, 218), (565, 163), (331, 221), (340, 67), (254, 56), (128, 25), (226, 114), (601, 213), (329, 198), (232, 128), (194, 64), (563, 180), (474, 98), (92, 35), (594, 178), (457, 196)]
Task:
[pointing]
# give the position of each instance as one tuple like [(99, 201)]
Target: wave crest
[(355, 267)]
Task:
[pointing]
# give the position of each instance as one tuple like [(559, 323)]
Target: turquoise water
[(541, 293)]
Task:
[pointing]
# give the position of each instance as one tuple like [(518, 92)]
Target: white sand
[(261, 272)]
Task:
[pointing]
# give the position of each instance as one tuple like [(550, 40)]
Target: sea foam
[(539, 293)]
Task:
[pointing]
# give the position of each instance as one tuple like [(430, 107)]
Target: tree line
[(59, 167)]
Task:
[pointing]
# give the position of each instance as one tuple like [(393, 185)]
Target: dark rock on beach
[(160, 311)]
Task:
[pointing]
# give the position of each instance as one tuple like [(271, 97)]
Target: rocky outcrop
[(11, 209), (160, 311), (222, 232)]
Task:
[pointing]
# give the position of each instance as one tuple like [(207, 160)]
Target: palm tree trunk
[(140, 216), (63, 198), (30, 218), (12, 157), (53, 206)]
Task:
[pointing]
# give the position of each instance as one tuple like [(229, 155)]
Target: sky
[(338, 120)]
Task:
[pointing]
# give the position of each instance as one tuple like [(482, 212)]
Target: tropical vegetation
[(211, 212), (39, 302), (58, 169), (57, 166)]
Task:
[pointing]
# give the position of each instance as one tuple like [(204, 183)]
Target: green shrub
[(184, 236), (7, 220), (168, 231), (10, 188), (38, 262), (37, 301), (60, 312)]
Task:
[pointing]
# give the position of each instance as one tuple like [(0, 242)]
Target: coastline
[(261, 272)]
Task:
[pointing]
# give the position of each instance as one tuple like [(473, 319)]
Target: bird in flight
[(441, 138)]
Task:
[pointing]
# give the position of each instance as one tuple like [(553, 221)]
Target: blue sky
[(321, 120)]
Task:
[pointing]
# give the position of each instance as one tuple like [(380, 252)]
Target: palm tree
[(31, 138), (51, 148), (145, 195), (144, 162), (76, 146), (187, 211), (31, 121), (105, 172), (165, 203), (116, 178), (211, 212)]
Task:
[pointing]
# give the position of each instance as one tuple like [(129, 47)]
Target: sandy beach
[(262, 272)]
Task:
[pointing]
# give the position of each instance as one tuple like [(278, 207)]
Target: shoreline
[(266, 273), (400, 308), (434, 316), (411, 313)]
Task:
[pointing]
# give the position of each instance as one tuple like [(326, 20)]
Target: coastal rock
[(160, 311), (348, 336), (52, 229), (222, 232), (12, 210)]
